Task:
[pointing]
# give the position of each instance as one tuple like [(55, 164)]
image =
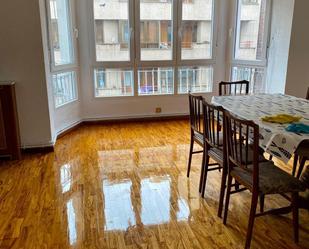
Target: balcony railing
[(155, 81)]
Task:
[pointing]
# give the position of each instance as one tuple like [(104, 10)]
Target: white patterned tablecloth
[(274, 139)]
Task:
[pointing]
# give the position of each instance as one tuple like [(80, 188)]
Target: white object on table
[(274, 139)]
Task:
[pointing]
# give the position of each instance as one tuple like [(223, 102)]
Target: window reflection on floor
[(119, 214), (144, 192), (71, 222), (155, 195), (183, 210), (65, 177)]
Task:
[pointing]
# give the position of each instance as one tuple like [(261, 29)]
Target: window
[(195, 79), (112, 30), (64, 88), (61, 36), (113, 82), (254, 75), (62, 47), (137, 46), (155, 81), (156, 35), (250, 47), (196, 40)]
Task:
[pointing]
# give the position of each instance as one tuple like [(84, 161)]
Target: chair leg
[(202, 171), (295, 164), (190, 156), (227, 198), (255, 197), (205, 174), (262, 198), (236, 185), (295, 216), (222, 191), (302, 162)]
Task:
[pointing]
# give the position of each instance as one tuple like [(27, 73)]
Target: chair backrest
[(233, 88), (196, 112), (307, 97), (213, 125), (242, 136)]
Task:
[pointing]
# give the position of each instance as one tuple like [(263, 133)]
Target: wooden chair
[(259, 178), (233, 88), (301, 154), (196, 126), (214, 147)]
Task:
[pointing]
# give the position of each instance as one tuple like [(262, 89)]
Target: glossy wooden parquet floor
[(125, 186)]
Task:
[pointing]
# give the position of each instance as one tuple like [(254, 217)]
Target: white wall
[(297, 81), (22, 60), (281, 24)]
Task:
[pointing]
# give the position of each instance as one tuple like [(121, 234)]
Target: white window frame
[(250, 63), (66, 68), (135, 61)]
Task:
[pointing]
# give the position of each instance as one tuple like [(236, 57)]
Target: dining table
[(273, 137)]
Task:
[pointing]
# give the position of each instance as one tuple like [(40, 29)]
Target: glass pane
[(155, 81), (250, 30), (64, 86), (195, 79), (112, 30), (113, 82), (196, 29), (156, 29), (255, 76), (61, 35)]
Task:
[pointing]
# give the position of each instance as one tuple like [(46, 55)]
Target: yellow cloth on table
[(281, 119)]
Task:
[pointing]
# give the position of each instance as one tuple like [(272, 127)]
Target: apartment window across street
[(148, 50), (62, 49)]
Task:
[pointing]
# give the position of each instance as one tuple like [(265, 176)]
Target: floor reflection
[(139, 187), (65, 177), (155, 196), (71, 222), (118, 210)]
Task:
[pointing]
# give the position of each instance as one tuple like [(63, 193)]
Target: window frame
[(235, 40), (135, 61), (257, 64), (66, 68), (73, 38)]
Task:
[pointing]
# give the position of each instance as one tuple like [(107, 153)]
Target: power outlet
[(158, 110)]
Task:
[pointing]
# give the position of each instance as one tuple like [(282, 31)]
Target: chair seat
[(199, 137), (272, 180), (217, 155)]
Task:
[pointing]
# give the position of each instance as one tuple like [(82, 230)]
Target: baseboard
[(69, 129), (43, 149), (131, 119), (100, 121)]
